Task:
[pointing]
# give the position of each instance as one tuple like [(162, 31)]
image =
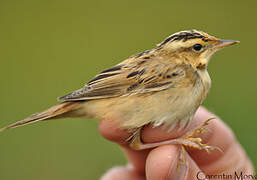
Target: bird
[(163, 86)]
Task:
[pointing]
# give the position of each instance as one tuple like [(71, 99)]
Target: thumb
[(171, 162)]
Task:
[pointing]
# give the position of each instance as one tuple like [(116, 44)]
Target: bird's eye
[(197, 47)]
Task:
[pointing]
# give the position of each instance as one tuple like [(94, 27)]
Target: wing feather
[(133, 76)]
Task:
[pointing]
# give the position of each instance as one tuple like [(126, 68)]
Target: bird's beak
[(224, 43)]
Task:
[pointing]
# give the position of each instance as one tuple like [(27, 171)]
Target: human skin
[(162, 162)]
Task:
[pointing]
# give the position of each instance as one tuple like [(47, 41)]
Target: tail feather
[(54, 112)]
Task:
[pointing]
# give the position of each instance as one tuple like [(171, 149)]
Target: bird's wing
[(133, 76)]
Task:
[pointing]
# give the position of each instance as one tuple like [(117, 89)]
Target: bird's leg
[(188, 140), (135, 141)]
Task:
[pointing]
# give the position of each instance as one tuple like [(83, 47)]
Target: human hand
[(162, 162)]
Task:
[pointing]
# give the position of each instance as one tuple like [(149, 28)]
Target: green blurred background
[(50, 48)]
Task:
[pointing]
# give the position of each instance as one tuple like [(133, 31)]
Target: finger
[(113, 133), (163, 163), (137, 158), (218, 134), (233, 157), (125, 173)]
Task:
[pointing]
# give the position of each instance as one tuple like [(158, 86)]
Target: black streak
[(142, 72), (142, 53), (132, 87), (132, 74), (167, 40), (104, 92), (149, 79), (171, 75), (140, 81), (183, 36), (141, 62), (115, 68), (147, 57), (158, 85), (205, 39), (136, 73), (102, 76)]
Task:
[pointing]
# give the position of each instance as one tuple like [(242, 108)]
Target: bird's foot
[(190, 139)]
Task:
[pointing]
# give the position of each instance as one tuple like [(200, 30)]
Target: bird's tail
[(55, 112)]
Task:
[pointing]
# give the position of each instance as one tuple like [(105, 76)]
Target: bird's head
[(194, 47)]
